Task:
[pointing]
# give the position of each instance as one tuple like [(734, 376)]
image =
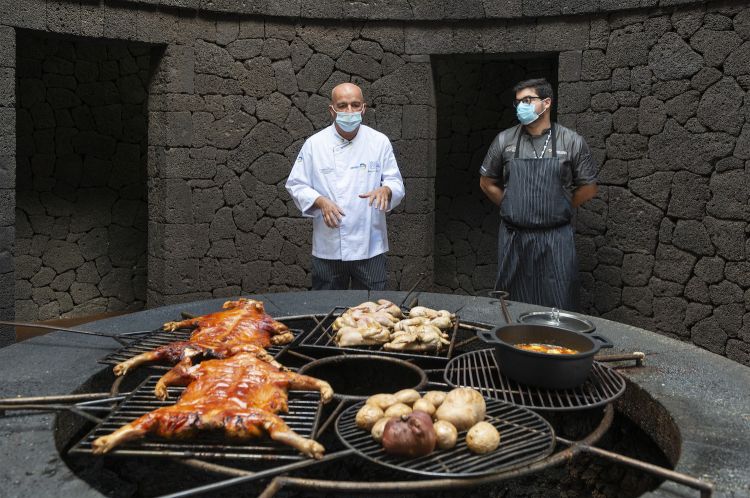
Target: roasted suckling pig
[(241, 395), (242, 326), (382, 323)]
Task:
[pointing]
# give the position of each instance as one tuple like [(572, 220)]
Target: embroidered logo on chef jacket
[(326, 171), (299, 158), (562, 152), (373, 167), (358, 166)]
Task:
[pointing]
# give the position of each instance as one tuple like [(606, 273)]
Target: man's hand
[(380, 197), (332, 214)]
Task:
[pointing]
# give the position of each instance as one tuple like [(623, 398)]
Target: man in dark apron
[(538, 172)]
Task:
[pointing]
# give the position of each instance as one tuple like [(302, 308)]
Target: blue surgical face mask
[(348, 121), (526, 113)]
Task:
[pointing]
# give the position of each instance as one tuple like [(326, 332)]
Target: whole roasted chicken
[(241, 395), (243, 326)]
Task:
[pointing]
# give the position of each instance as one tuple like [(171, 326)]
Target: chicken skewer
[(243, 326), (241, 395)]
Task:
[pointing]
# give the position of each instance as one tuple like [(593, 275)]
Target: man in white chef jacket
[(346, 178)]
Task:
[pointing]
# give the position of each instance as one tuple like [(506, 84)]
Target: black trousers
[(334, 274)]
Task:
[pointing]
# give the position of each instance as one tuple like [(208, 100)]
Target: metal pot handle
[(501, 295), (603, 341), (486, 336)]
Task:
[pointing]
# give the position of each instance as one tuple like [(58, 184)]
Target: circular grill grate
[(479, 369), (525, 437)]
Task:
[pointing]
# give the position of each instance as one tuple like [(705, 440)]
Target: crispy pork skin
[(241, 395), (243, 322)]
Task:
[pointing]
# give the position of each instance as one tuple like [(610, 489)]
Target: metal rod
[(53, 407), (419, 280), (54, 399), (116, 386), (705, 488), (330, 419), (213, 467), (273, 487), (467, 341), (637, 356), (362, 487), (298, 355), (256, 476), (55, 328)]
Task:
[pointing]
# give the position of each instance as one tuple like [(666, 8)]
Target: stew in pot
[(545, 348)]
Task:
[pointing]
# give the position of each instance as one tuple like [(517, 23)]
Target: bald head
[(346, 91)]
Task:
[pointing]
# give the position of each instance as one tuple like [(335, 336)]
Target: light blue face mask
[(348, 121), (526, 113)]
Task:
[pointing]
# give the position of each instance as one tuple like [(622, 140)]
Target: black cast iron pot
[(553, 371)]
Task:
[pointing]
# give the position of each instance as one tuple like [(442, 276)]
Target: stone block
[(654, 188), (651, 116), (715, 45), (692, 236), (638, 298), (569, 65), (690, 193), (709, 335), (730, 195), (409, 234), (419, 122), (120, 21), (573, 97), (675, 148), (728, 237), (323, 39), (409, 84), (627, 49), (633, 223), (561, 34), (672, 58), (359, 64), (63, 17), (416, 158), (626, 146), (176, 70), (673, 264), (720, 107), (172, 129), (669, 313)]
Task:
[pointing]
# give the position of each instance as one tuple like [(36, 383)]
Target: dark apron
[(536, 259)]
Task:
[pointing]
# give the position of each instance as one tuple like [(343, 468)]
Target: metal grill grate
[(303, 417), (160, 337), (525, 437), (479, 369), (320, 338)]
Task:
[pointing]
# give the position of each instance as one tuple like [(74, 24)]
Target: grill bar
[(525, 438), (480, 370), (303, 417), (321, 339)]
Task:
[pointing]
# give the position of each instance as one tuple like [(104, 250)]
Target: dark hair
[(540, 85)]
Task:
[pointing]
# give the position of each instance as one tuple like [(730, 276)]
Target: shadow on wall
[(81, 210), (473, 96)]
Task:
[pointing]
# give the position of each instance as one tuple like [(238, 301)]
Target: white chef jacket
[(340, 170)]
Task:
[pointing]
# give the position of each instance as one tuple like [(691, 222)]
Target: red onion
[(410, 435)]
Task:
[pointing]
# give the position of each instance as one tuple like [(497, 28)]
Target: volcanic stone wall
[(81, 211), (657, 87), (473, 99)]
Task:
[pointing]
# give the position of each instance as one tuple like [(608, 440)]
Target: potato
[(378, 428), (435, 397), (397, 410), (463, 407), (446, 434), (407, 396), (382, 401), (482, 438), (425, 406), (367, 416)]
